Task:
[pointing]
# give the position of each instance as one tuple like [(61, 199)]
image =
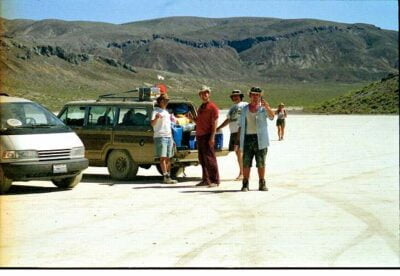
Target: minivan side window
[(137, 116), (73, 115), (101, 116)]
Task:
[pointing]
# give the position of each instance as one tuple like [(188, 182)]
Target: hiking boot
[(262, 186), (245, 187), (169, 180)]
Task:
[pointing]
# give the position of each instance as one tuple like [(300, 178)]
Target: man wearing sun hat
[(206, 126), (232, 119), (254, 140), (163, 142)]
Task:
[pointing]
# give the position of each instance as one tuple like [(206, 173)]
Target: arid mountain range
[(224, 50)]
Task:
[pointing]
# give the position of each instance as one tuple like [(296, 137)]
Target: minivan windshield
[(28, 118)]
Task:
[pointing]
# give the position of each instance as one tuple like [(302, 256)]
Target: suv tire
[(68, 182), (121, 166), (5, 182)]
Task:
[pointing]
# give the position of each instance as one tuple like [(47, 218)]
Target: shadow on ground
[(140, 179), (211, 191), (26, 189), (155, 182)]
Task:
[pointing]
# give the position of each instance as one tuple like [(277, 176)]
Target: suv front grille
[(61, 154)]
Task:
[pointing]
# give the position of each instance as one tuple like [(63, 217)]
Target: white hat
[(205, 88)]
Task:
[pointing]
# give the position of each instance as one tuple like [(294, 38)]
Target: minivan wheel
[(5, 182), (68, 182), (121, 166)]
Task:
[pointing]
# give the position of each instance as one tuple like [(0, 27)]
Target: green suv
[(116, 132)]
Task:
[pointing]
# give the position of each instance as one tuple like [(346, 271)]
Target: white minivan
[(36, 145)]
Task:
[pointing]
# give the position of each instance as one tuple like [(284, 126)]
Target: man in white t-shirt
[(161, 122), (232, 119)]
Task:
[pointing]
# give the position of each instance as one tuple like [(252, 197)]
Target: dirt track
[(333, 201)]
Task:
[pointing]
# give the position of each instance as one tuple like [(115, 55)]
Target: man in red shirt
[(206, 125)]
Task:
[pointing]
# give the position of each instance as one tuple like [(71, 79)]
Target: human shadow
[(26, 189), (211, 191), (163, 186), (102, 179)]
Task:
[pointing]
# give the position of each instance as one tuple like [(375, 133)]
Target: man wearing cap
[(254, 140), (232, 119), (206, 126), (163, 141)]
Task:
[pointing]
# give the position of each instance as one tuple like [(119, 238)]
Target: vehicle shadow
[(26, 189)]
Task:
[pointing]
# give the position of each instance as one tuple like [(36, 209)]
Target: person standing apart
[(206, 126), (163, 141), (254, 139), (280, 121), (232, 119)]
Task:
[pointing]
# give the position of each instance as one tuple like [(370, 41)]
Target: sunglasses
[(255, 89)]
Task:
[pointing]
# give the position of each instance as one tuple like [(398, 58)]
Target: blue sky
[(381, 13)]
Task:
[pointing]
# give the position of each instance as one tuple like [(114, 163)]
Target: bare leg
[(168, 164), (261, 173), (239, 156), (164, 165), (246, 173), (280, 132), (261, 182)]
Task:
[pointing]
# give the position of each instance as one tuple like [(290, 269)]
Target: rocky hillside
[(231, 48), (380, 97), (300, 62)]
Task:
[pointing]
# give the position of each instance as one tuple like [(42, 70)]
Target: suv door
[(134, 133), (93, 124), (97, 134)]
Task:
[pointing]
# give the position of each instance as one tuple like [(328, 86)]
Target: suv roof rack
[(138, 94), (124, 96)]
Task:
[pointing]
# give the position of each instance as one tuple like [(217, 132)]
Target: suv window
[(73, 116), (137, 116), (101, 116)]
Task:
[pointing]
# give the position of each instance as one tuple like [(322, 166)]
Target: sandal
[(240, 177)]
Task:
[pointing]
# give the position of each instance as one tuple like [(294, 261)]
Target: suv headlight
[(20, 154), (78, 152)]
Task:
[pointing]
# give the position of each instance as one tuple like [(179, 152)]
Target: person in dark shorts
[(254, 140), (280, 121), (232, 119)]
